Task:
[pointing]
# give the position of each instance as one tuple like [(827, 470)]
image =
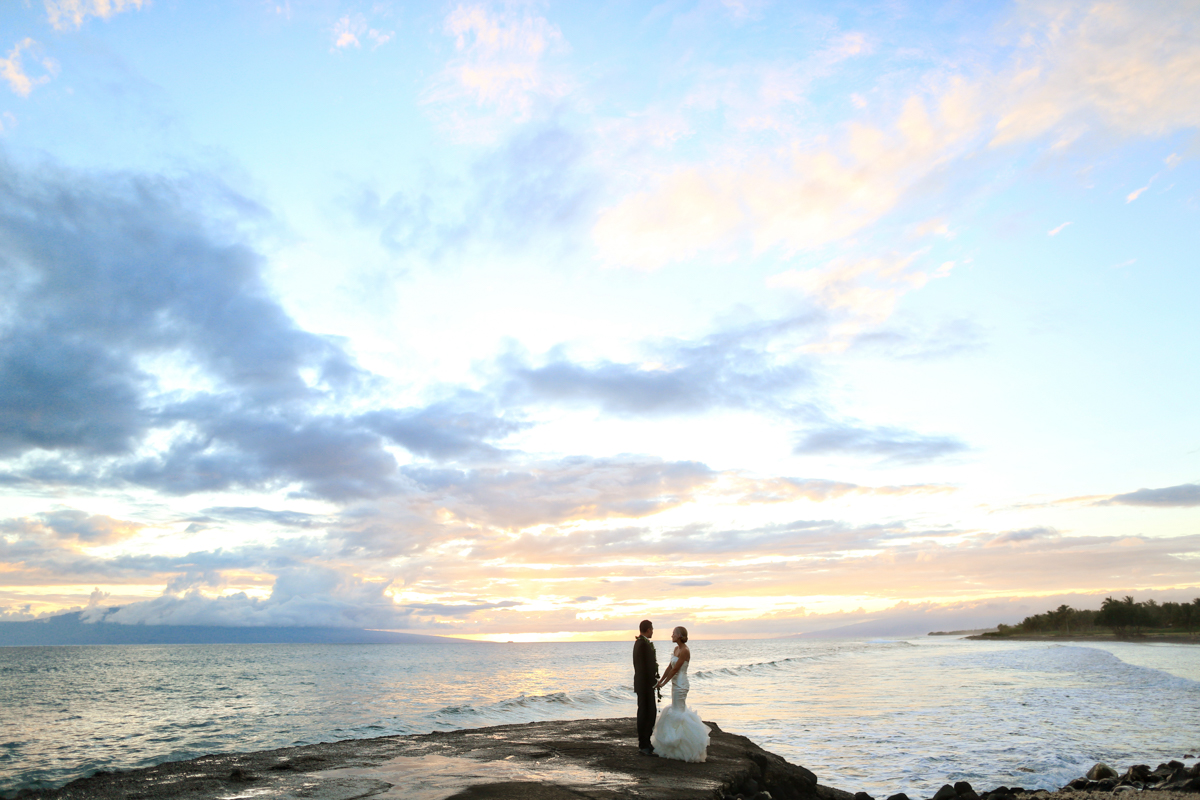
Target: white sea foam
[(880, 716)]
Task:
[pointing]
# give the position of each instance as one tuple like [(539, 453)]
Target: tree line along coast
[(1116, 619)]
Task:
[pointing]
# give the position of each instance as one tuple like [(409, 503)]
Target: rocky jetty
[(596, 759)]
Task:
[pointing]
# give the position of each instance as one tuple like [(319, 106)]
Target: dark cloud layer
[(888, 444), (730, 369), (1183, 496), (104, 275)]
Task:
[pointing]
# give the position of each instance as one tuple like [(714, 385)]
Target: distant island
[(70, 629), (1116, 620)]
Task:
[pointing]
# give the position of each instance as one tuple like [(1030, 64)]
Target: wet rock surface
[(539, 761)]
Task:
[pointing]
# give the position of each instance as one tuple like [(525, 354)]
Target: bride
[(679, 733)]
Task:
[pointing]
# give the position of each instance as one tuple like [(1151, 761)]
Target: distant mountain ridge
[(69, 629)]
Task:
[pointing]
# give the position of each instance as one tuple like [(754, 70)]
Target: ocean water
[(877, 716)]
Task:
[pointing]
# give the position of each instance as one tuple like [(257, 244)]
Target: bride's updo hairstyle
[(682, 631)]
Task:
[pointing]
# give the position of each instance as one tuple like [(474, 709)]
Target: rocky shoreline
[(560, 760), (1173, 779), (1152, 638)]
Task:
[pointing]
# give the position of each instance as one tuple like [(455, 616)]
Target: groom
[(645, 676)]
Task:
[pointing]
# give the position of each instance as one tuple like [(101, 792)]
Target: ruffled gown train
[(679, 733)]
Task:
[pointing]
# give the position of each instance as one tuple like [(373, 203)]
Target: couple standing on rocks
[(679, 733)]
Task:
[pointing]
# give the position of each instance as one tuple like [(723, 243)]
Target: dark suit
[(645, 676)]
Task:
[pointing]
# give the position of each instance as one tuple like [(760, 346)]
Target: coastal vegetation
[(1120, 618)]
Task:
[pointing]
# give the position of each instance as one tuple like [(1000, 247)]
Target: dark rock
[(239, 775), (1106, 785), (1137, 773), (750, 787), (898, 796), (1183, 784), (762, 796), (862, 796), (945, 793), (1079, 784), (965, 790), (1101, 771)]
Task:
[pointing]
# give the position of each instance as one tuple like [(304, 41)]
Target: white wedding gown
[(679, 733)]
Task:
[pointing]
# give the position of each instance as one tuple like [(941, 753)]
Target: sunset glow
[(527, 321)]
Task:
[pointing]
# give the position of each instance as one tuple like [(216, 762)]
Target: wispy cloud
[(1109, 65), (13, 71), (1058, 230), (351, 29), (789, 202), (67, 14), (500, 71)]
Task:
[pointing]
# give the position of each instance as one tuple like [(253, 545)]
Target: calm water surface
[(878, 716)]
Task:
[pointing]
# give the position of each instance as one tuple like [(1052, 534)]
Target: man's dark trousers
[(645, 680), (647, 713)]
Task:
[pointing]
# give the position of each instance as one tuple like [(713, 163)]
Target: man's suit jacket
[(645, 665)]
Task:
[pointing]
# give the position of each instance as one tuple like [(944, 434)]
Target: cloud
[(444, 430), (347, 30), (116, 285), (794, 202), (67, 14), (1018, 536), (734, 368), (864, 291), (1058, 230), (127, 268), (13, 71), (536, 187), (1129, 67), (889, 444), (1183, 496), (757, 491), (946, 338), (287, 519), (500, 69), (71, 528), (554, 492), (304, 595), (351, 29)]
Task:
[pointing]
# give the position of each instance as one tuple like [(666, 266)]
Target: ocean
[(880, 716)]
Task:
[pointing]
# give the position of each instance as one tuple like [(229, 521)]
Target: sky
[(532, 320)]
